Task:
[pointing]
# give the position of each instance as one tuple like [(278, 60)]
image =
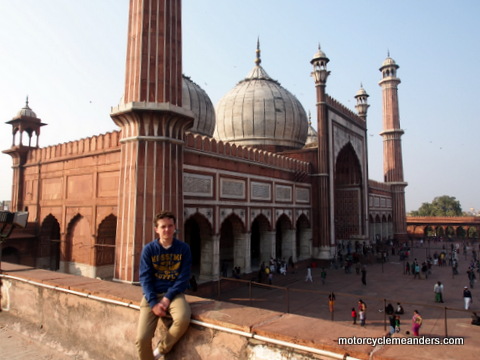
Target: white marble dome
[(26, 111), (196, 99), (259, 112)]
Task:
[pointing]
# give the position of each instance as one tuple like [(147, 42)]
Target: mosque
[(250, 179)]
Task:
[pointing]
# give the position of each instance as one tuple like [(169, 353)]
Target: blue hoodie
[(164, 271)]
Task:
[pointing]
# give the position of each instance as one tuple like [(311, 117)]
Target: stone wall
[(92, 319)]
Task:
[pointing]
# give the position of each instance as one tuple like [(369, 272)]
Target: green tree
[(440, 206)]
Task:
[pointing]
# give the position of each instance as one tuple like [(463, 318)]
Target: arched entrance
[(77, 254), (49, 255), (349, 196), (232, 245), (105, 248), (198, 234), (260, 250)]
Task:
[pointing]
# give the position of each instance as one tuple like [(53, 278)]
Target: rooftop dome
[(26, 111), (196, 99), (389, 62), (361, 92), (259, 112), (312, 135)]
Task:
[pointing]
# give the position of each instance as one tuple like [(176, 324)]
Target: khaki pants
[(180, 312)]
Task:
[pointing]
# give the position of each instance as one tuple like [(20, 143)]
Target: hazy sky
[(69, 58)]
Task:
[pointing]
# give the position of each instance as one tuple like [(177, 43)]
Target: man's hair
[(164, 215)]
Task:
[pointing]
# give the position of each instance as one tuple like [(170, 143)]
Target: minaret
[(153, 126), (25, 122), (323, 215), (362, 103), (392, 146)]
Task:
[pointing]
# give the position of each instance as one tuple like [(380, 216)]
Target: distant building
[(5, 205), (249, 180)]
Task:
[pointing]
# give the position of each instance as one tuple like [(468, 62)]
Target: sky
[(68, 57)]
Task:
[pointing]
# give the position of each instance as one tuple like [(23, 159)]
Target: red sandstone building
[(249, 180)]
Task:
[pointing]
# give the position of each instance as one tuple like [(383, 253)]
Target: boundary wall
[(93, 319)]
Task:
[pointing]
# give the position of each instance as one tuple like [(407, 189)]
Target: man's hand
[(160, 309)]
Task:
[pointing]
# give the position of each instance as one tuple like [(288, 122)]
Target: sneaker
[(157, 355)]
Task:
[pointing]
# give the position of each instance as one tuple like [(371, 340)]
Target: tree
[(441, 206)]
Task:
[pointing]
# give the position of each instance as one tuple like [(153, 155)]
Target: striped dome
[(259, 112)]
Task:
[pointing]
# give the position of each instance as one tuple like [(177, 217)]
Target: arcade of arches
[(458, 228), (245, 245)]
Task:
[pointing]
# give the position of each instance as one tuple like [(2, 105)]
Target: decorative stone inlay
[(303, 195), (265, 212), (283, 193), (300, 212), (232, 189), (280, 212), (206, 212), (226, 212), (342, 138), (197, 185), (261, 191)]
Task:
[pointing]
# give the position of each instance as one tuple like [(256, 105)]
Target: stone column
[(267, 246), (289, 244), (305, 244), (210, 262), (242, 252)]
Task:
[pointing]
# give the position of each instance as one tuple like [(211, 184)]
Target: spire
[(257, 59)]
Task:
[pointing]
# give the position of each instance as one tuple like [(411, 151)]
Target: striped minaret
[(322, 225), (392, 146), (153, 125)]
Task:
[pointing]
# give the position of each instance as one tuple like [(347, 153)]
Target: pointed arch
[(260, 249), (49, 240), (349, 195), (232, 231), (283, 237), (105, 247), (198, 235), (78, 252)]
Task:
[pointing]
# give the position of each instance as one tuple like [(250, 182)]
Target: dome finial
[(257, 59), (26, 102)]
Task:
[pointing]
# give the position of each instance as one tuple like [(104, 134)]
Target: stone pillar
[(267, 246), (305, 244), (210, 262), (289, 244), (153, 126), (242, 252)]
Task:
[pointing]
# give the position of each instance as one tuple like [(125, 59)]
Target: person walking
[(416, 323), (467, 297), (331, 301), (438, 291), (323, 276), (309, 274), (364, 275), (471, 277), (362, 312)]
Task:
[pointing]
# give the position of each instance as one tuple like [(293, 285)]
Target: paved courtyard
[(386, 283)]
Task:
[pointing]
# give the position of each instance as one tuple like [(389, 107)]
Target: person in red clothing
[(354, 316)]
